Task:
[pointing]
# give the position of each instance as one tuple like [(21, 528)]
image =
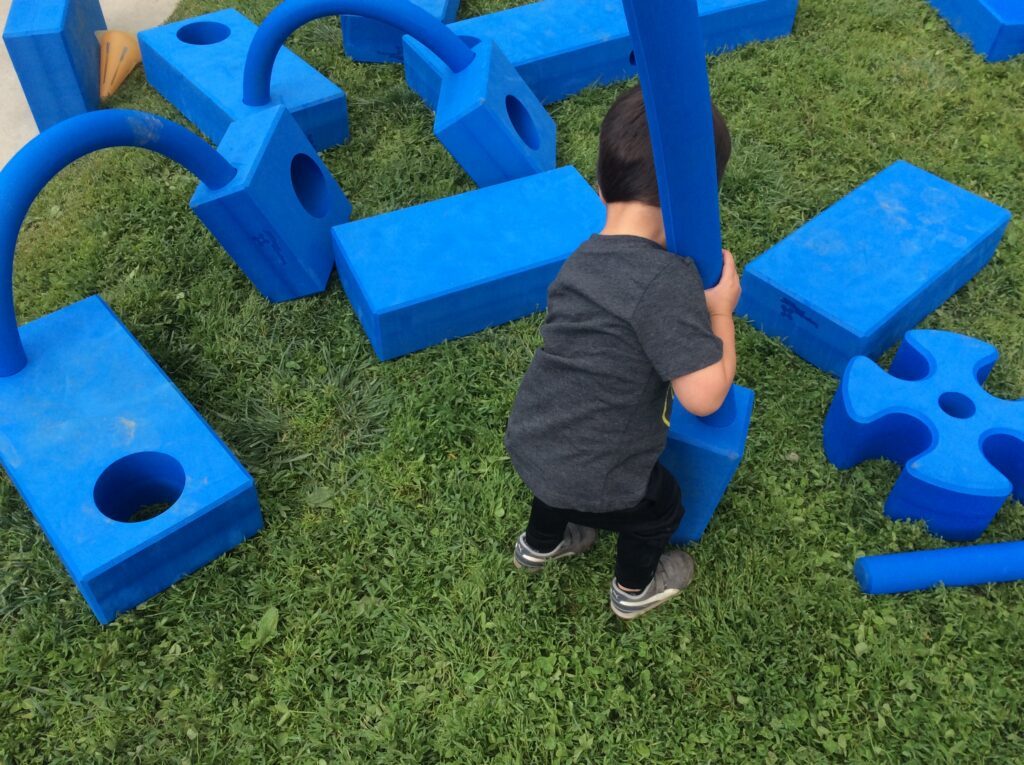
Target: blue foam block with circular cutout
[(92, 429)]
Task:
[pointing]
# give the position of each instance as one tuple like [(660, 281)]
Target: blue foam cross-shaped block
[(53, 46), (197, 65), (961, 448), (425, 274), (92, 431), (703, 454), (994, 27), (374, 41), (856, 277)]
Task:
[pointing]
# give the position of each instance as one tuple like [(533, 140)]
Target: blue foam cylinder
[(198, 64), (994, 27), (92, 431), (670, 58), (422, 275), (955, 567), (376, 42), (851, 281), (53, 46), (560, 47), (703, 453)]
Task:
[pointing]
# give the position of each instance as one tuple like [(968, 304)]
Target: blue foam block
[(419, 276), (197, 65), (855, 278), (703, 454), (560, 47), (954, 567), (275, 217), (91, 430), (962, 449), (53, 46), (376, 42), (994, 27)]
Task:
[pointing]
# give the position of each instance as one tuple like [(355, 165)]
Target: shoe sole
[(649, 605)]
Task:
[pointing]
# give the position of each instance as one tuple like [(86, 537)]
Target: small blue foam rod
[(953, 567), (292, 14), (670, 57), (55, 148)]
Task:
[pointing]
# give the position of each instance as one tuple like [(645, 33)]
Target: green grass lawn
[(378, 617)]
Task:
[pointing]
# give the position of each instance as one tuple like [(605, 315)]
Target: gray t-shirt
[(625, 316)]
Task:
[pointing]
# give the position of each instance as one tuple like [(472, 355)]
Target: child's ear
[(599, 194)]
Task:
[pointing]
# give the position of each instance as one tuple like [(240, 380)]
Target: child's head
[(625, 158)]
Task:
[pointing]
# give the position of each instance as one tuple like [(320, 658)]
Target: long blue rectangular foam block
[(91, 431), (373, 41), (419, 276), (994, 27), (852, 280), (53, 46), (197, 65), (953, 567), (563, 46), (703, 453)]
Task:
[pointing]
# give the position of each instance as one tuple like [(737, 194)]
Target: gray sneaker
[(674, 573), (577, 540)]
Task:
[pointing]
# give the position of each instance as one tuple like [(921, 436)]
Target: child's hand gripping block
[(198, 64), (560, 47), (422, 275), (962, 449), (703, 454), (53, 46), (131, 486), (376, 42), (994, 27), (855, 278)]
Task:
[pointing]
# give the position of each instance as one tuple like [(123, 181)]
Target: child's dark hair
[(625, 158)]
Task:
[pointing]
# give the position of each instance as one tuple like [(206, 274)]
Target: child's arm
[(702, 393)]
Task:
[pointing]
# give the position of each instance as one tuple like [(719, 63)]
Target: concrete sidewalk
[(16, 124)]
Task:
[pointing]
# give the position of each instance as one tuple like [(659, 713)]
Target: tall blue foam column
[(669, 50), (954, 567)]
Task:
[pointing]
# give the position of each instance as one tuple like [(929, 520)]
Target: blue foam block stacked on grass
[(197, 65), (994, 27), (53, 46), (91, 431), (703, 453), (563, 46), (419, 276), (855, 278), (373, 41)]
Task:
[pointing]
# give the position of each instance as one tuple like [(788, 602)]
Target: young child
[(628, 325)]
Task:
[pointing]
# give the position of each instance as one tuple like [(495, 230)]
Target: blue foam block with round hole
[(92, 430), (53, 46), (197, 65), (856, 277), (994, 27), (275, 217), (703, 453), (560, 47), (372, 41), (445, 269)]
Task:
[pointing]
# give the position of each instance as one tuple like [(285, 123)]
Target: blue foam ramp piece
[(561, 47), (856, 277), (373, 41), (953, 567), (197, 65), (53, 46), (419, 276), (703, 454), (961, 448), (92, 430), (994, 27)]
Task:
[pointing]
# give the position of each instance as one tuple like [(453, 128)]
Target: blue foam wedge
[(373, 41), (560, 47), (703, 453), (419, 276), (53, 46), (197, 64), (994, 27), (851, 281), (953, 567)]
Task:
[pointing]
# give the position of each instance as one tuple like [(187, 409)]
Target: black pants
[(644, 530)]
